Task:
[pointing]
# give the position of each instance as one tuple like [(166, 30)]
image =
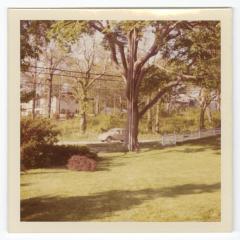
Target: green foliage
[(70, 129), (39, 131), (35, 135), (179, 122), (154, 78), (52, 155), (38, 149), (68, 32), (199, 48), (32, 37), (105, 122)]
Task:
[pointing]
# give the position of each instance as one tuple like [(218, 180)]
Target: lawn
[(179, 183)]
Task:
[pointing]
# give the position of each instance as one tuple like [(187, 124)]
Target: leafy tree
[(124, 40), (200, 51), (32, 38)]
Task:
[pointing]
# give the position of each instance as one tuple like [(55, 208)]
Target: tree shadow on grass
[(103, 204), (46, 172), (108, 163), (201, 145), (210, 142), (194, 146), (116, 147), (107, 147)]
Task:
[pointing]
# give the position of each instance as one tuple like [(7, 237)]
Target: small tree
[(87, 62)]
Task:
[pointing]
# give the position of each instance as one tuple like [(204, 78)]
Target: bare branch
[(97, 77)]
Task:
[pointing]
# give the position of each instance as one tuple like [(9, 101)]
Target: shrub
[(58, 155), (35, 134), (81, 163), (39, 131), (38, 149)]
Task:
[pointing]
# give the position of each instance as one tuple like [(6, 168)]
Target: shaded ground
[(180, 183)]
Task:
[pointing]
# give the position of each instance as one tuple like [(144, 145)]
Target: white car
[(114, 134)]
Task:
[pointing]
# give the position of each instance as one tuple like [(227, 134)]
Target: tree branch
[(123, 58), (158, 96), (96, 78), (158, 42)]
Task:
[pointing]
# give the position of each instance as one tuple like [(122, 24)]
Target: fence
[(172, 139)]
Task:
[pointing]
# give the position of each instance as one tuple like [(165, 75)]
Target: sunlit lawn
[(180, 183)]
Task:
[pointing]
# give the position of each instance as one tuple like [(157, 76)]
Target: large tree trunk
[(133, 76), (132, 126)]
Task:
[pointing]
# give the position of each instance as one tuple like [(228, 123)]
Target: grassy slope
[(180, 183)]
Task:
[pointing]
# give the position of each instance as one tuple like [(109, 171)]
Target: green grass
[(180, 183)]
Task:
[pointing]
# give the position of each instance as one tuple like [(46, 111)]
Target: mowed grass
[(179, 183)]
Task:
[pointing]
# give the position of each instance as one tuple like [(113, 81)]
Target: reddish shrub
[(81, 163)]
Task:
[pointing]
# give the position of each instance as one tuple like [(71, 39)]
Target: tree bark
[(133, 77), (132, 126)]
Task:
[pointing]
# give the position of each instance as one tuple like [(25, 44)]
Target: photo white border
[(43, 3)]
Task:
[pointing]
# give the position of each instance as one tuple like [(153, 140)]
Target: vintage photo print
[(119, 120)]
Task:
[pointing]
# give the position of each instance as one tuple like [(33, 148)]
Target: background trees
[(155, 59), (123, 40)]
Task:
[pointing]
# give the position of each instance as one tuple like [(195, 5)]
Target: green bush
[(39, 131), (38, 137), (34, 135), (52, 155)]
